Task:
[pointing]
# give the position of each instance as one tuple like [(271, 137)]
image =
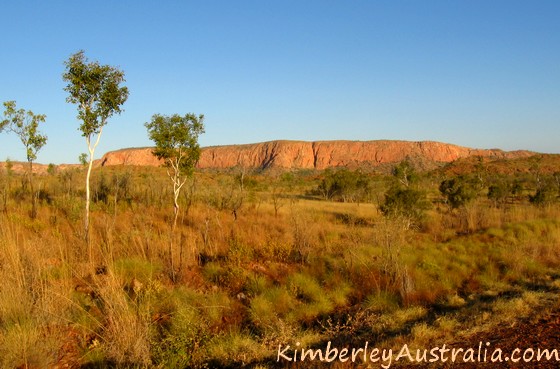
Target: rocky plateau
[(317, 155)]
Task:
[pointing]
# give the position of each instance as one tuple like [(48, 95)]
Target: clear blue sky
[(481, 74)]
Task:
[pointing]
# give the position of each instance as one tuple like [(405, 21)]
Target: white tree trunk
[(91, 150)]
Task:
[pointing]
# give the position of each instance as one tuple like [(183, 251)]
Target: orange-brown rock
[(316, 155), (23, 167), (133, 156)]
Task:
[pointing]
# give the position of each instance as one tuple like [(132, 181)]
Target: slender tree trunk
[(33, 198), (177, 185), (176, 190), (86, 220), (88, 194), (175, 207)]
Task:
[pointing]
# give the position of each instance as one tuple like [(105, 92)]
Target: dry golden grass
[(236, 280)]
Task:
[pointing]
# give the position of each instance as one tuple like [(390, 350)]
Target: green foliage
[(281, 301), (176, 139), (83, 159), (234, 349), (176, 346), (101, 191), (262, 280), (381, 302), (548, 190), (137, 268), (25, 125), (122, 186), (262, 312), (9, 166), (458, 191), (345, 185), (547, 193), (499, 192), (306, 288), (405, 202), (405, 174), (257, 285), (314, 302), (51, 169), (95, 89)]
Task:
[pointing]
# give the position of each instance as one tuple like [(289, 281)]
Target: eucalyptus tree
[(404, 199), (97, 91), (405, 173), (25, 125), (176, 140)]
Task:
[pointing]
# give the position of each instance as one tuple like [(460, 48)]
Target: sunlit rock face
[(315, 155)]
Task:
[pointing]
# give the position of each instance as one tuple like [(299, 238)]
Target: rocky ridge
[(316, 155)]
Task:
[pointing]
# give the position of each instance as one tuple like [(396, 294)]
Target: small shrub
[(176, 346), (345, 185), (101, 190), (546, 194), (406, 203), (458, 191)]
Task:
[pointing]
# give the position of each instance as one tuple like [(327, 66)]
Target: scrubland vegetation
[(262, 259)]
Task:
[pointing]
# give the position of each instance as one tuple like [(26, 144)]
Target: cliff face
[(316, 155), (134, 156)]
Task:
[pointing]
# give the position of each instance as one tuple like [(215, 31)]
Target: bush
[(176, 346), (101, 190), (407, 203), (546, 194), (345, 185), (498, 193), (458, 191)]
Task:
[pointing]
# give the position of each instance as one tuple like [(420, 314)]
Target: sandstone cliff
[(316, 155)]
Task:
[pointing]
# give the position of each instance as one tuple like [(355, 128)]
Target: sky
[(481, 74)]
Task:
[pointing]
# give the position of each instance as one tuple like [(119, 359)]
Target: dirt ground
[(544, 333)]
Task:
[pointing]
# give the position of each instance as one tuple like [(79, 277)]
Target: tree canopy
[(404, 173), (403, 199), (345, 185), (176, 139), (458, 191), (25, 125), (95, 89)]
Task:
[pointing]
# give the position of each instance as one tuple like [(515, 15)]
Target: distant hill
[(541, 163), (21, 167), (319, 155)]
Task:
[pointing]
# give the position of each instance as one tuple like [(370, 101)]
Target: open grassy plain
[(260, 260)]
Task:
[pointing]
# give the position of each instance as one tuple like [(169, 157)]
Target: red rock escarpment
[(316, 155)]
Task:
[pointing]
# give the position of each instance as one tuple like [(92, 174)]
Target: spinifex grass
[(250, 275)]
